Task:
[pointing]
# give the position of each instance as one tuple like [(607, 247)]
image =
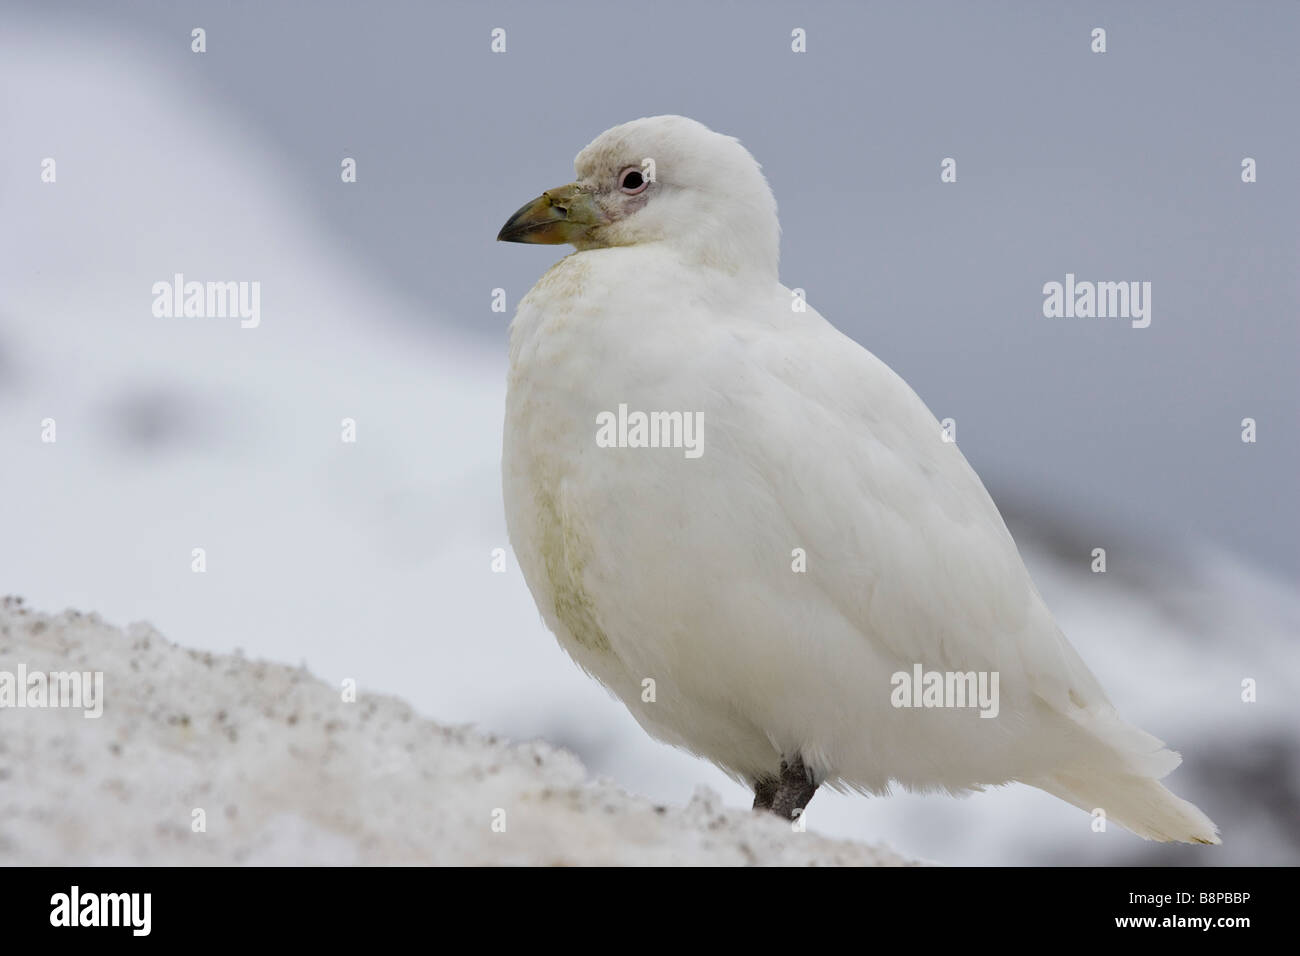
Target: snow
[(287, 772)]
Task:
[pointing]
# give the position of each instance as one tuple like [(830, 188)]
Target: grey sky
[(1115, 166)]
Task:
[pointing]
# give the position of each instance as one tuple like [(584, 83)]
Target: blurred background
[(373, 560)]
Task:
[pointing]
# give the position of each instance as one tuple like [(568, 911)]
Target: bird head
[(666, 180)]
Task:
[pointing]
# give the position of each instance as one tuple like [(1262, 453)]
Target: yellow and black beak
[(566, 214)]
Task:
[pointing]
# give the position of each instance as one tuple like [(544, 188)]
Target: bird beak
[(565, 214)]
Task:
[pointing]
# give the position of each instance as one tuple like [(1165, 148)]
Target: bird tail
[(1137, 802)]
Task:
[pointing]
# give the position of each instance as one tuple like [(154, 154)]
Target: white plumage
[(652, 565)]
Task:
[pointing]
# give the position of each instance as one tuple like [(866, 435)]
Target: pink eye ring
[(632, 180)]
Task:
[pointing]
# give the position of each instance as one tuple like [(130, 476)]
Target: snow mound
[(202, 758)]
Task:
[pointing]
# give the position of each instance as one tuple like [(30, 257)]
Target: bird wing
[(902, 536)]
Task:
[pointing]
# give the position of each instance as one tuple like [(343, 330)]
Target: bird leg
[(788, 793)]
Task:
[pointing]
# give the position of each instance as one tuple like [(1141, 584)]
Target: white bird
[(754, 596)]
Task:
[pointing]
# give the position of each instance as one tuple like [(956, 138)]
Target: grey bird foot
[(787, 793)]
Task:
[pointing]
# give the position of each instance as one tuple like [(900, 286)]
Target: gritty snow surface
[(202, 758)]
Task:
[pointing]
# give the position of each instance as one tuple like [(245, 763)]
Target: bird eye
[(632, 180)]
